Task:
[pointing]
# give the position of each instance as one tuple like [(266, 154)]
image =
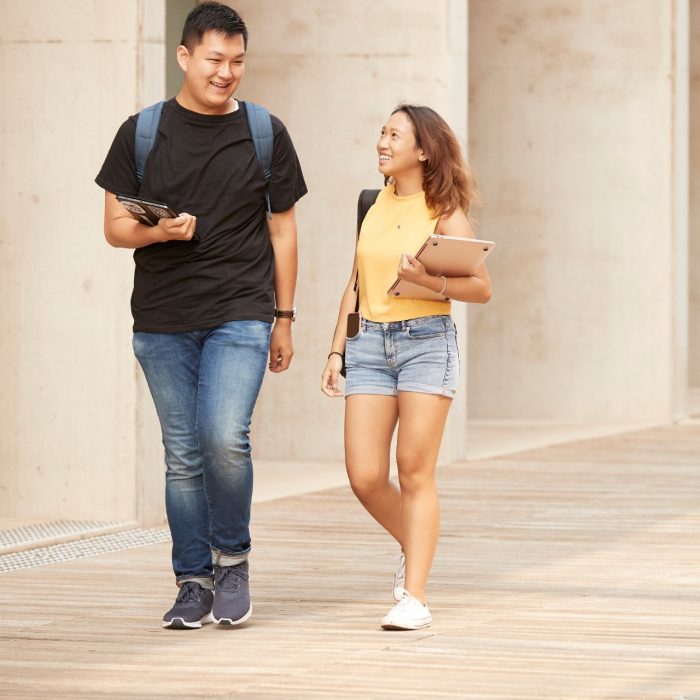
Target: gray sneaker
[(232, 594), (192, 608)]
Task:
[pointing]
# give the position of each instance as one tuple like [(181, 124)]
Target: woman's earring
[(421, 157)]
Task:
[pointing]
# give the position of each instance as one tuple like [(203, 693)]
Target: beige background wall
[(333, 72), (694, 229), (78, 436), (68, 439), (576, 132)]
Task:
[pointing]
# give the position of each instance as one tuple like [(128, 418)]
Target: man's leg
[(233, 362), (171, 363)]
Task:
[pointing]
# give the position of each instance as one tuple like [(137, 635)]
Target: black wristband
[(335, 352)]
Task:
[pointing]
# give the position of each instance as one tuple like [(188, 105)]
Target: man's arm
[(123, 231), (283, 235)]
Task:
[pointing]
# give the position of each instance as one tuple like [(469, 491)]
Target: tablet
[(146, 212), (444, 255)]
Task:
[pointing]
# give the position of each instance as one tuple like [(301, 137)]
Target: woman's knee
[(366, 483), (416, 472)]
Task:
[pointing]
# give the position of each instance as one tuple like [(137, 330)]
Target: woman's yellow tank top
[(393, 225)]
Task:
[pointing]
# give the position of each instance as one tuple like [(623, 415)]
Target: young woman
[(403, 365)]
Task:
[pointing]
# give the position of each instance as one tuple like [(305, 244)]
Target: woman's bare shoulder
[(455, 224)]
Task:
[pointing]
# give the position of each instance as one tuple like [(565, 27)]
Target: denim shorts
[(415, 355)]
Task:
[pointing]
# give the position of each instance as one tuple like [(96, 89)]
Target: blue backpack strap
[(261, 130), (146, 133)]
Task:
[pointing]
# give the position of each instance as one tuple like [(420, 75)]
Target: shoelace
[(408, 601), (228, 578), (401, 570), (189, 593)]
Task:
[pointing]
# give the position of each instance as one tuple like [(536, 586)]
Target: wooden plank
[(565, 572)]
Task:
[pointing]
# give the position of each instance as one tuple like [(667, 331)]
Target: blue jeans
[(204, 385)]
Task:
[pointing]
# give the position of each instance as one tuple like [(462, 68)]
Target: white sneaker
[(400, 578), (408, 614)]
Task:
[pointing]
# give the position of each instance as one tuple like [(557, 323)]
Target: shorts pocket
[(427, 331)]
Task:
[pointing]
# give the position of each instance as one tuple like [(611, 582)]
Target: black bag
[(366, 199)]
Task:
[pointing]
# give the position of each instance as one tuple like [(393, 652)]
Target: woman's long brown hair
[(447, 180)]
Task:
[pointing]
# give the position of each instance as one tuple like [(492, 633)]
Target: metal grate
[(20, 537), (91, 547)]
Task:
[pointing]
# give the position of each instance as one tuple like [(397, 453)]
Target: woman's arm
[(329, 378), (475, 288)]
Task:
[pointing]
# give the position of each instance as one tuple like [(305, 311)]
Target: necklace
[(408, 212)]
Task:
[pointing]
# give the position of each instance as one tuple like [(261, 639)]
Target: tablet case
[(444, 255), (146, 212)]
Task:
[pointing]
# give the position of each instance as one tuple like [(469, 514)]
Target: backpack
[(259, 123)]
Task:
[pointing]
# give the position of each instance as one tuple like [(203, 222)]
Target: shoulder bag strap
[(366, 199)]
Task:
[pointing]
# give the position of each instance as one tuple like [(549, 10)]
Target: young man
[(207, 287)]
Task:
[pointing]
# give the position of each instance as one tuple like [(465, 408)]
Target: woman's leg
[(370, 420), (421, 425)]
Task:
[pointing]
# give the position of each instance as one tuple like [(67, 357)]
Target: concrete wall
[(576, 128), (68, 438), (694, 267), (78, 436), (333, 72), (578, 134)]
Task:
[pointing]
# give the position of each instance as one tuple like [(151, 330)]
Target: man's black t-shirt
[(205, 165)]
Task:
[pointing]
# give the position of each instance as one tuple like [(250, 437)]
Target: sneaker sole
[(177, 623), (390, 626), (228, 622)]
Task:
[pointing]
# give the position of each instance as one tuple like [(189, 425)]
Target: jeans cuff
[(203, 581), (223, 559)]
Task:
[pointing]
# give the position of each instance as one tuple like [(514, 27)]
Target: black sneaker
[(232, 595), (192, 608)]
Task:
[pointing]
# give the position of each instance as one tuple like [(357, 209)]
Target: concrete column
[(333, 72), (579, 133), (68, 433), (694, 229)]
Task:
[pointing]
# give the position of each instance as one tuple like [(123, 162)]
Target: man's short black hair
[(212, 17)]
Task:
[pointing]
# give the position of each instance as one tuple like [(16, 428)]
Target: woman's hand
[(412, 270), (329, 378)]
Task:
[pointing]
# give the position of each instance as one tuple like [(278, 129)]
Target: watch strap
[(284, 313)]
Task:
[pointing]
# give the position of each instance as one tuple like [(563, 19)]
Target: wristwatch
[(279, 313)]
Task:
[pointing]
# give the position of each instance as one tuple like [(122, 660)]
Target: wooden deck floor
[(567, 572)]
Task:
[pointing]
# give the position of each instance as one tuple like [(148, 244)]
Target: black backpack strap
[(366, 199)]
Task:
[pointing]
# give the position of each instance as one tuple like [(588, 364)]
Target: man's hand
[(281, 349), (180, 229)]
